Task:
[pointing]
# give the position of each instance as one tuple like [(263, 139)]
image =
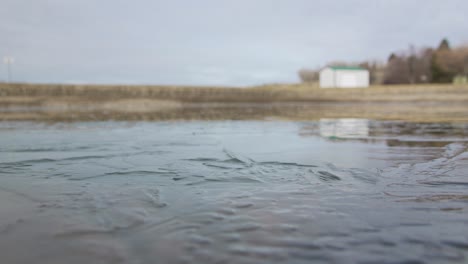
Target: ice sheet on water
[(246, 192)]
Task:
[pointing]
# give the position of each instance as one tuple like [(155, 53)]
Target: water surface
[(347, 190)]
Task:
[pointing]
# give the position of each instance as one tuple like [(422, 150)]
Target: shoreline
[(68, 103)]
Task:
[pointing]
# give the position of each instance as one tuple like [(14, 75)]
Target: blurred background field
[(417, 102)]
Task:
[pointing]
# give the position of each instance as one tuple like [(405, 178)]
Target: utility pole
[(8, 62)]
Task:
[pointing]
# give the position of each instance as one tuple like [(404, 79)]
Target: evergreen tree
[(440, 75), (444, 45)]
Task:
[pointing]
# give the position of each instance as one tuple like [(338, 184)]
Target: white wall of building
[(327, 78), (352, 78)]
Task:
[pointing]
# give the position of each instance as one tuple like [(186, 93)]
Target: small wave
[(439, 183), (202, 159), (48, 149), (434, 198), (237, 158), (126, 173), (327, 176), (291, 164), (234, 179), (26, 162)]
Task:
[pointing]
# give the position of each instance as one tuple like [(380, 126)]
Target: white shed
[(344, 77)]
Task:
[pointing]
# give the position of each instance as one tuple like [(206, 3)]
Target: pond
[(326, 191)]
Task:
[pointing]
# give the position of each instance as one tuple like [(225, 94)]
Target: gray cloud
[(211, 42)]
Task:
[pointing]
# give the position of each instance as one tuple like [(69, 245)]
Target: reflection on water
[(344, 128), (234, 192)]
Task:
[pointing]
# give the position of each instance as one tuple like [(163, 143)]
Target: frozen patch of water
[(234, 192)]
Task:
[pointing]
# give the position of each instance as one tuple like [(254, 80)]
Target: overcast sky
[(212, 42)]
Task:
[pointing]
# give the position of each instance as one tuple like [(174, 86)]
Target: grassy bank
[(266, 93), (299, 101)]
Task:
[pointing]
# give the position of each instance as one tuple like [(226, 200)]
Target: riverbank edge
[(55, 102)]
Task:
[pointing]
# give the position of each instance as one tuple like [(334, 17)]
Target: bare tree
[(448, 63), (412, 66), (396, 71), (308, 75), (376, 71)]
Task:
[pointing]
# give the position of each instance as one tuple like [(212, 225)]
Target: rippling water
[(346, 191)]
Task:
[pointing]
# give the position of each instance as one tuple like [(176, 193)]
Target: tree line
[(443, 64)]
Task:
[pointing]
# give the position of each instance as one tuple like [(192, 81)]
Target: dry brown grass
[(298, 102), (266, 93)]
